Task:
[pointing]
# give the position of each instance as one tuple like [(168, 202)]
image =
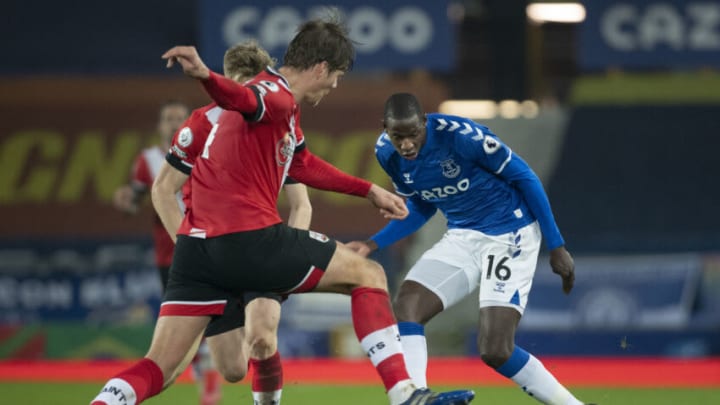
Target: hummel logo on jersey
[(479, 135), (443, 123), (467, 130), (450, 169), (407, 180)]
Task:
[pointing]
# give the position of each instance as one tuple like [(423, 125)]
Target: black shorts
[(233, 315), (164, 272), (208, 275)]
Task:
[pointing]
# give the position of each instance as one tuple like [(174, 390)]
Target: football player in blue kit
[(497, 213)]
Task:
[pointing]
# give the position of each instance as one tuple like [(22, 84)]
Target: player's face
[(325, 82), (407, 135), (172, 117)]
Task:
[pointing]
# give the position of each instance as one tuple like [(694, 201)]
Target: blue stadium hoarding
[(391, 34), (650, 34)]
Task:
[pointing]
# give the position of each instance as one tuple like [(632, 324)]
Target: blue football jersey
[(462, 170)]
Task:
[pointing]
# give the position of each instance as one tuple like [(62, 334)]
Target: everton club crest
[(450, 169)]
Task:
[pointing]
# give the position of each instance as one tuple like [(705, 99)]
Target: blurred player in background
[(232, 239), (254, 323), (497, 213), (127, 199)]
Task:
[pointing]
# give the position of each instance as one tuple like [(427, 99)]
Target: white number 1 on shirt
[(210, 139)]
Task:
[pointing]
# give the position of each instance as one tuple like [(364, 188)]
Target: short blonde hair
[(245, 60)]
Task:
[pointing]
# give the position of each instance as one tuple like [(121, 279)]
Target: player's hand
[(124, 199), (563, 265), (188, 58), (391, 206), (363, 248)]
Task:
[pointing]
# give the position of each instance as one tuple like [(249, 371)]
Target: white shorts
[(503, 266)]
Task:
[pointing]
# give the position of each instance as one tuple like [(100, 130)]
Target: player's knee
[(494, 360), (373, 275), (232, 371), (494, 355), (262, 345), (403, 313)]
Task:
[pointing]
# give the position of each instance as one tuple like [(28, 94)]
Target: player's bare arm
[(300, 206), (563, 264), (189, 59), (391, 206), (164, 190)]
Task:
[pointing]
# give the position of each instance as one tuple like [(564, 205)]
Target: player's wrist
[(372, 245)]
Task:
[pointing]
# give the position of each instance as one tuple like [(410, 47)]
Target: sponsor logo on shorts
[(318, 236)]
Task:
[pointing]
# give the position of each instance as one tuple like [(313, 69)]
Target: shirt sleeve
[(419, 213), (231, 95), (312, 171), (486, 149), (480, 145), (519, 174), (188, 142)]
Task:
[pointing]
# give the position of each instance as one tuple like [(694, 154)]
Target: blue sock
[(530, 375), (411, 328), (412, 338), (518, 359)]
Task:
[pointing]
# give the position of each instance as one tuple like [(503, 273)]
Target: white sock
[(267, 398), (530, 374), (116, 392), (400, 392), (414, 344), (381, 345)]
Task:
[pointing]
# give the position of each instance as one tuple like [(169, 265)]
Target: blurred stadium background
[(615, 103)]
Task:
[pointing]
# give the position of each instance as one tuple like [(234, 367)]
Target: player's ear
[(321, 70)]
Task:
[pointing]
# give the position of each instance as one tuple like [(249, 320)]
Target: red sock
[(144, 377), (376, 328), (267, 374)]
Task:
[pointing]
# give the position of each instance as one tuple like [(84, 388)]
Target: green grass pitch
[(16, 393)]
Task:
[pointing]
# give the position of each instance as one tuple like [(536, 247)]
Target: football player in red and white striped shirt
[(260, 313), (146, 169), (232, 239), (146, 166)]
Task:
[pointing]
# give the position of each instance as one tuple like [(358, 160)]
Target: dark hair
[(400, 106), (321, 40)]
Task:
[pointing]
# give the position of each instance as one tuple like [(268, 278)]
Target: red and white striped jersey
[(237, 178)]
